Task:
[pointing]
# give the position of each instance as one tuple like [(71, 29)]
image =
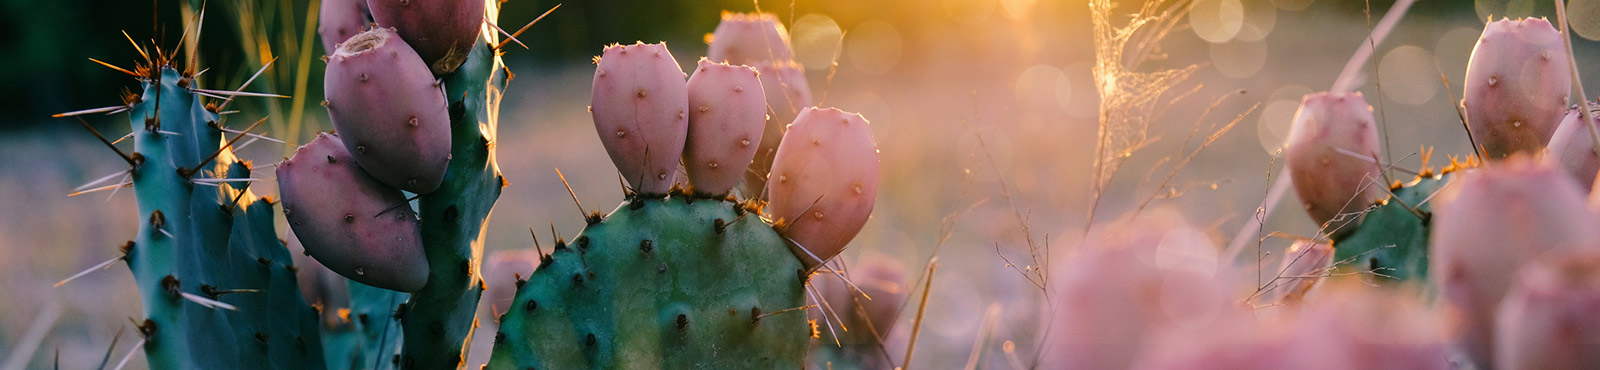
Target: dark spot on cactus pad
[(755, 314), (520, 280), (138, 159), (400, 311), (499, 337), (561, 244), (263, 261), (645, 246), (662, 269), (171, 285), (126, 248), (466, 266), (209, 291), (594, 218), (451, 214), (577, 280), (436, 328), (590, 341), (531, 306), (591, 274), (719, 226), (157, 219), (583, 242), (261, 338), (457, 111), (362, 318), (733, 312), (147, 329)]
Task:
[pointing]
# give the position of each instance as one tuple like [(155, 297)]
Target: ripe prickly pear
[(1547, 320), (1304, 265), (1333, 145), (388, 111), (1516, 87), (1573, 149), (727, 107), (787, 94), (348, 220), (824, 181), (749, 38), (640, 104), (1489, 221), (341, 19), (442, 31)]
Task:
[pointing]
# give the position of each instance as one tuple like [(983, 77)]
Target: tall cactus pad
[(1517, 85), (674, 283), (1392, 240), (201, 243)]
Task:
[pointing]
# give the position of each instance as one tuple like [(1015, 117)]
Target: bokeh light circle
[(815, 39)]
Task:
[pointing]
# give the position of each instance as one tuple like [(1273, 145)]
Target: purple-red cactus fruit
[(1332, 149), (727, 110), (787, 94), (749, 38), (1573, 149), (341, 19), (1517, 85), (388, 111), (824, 181), (442, 31), (349, 221), (640, 103), (1488, 222), (1547, 321)]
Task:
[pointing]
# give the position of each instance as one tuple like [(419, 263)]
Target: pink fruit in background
[(824, 181), (1573, 149), (787, 94), (341, 19), (1517, 85), (442, 31), (1547, 320), (1303, 265), (388, 111), (727, 110), (1333, 143), (1488, 222), (348, 220), (749, 38), (640, 104)]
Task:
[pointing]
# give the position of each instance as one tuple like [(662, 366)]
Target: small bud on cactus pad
[(441, 30), (388, 111), (1516, 87), (640, 104), (349, 221), (1547, 320), (726, 112), (749, 38), (341, 19), (1488, 222), (1333, 145), (787, 94), (1573, 149), (824, 181)]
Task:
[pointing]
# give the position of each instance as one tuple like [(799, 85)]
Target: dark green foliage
[(368, 337), (1392, 241), (657, 284)]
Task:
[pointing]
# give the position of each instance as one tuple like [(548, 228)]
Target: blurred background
[(985, 112)]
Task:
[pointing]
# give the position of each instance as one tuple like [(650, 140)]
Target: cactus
[(1392, 241), (443, 32), (824, 182), (759, 40), (388, 110), (1517, 85), (341, 19), (1332, 155), (1572, 148), (1546, 320), (726, 110), (671, 278)]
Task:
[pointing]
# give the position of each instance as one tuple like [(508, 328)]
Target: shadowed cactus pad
[(674, 283)]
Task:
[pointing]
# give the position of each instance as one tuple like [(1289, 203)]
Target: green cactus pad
[(658, 284), (1392, 241)]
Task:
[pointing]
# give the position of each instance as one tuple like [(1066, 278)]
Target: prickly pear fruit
[(442, 31), (1491, 220), (388, 111), (640, 104), (1547, 320), (726, 113), (1332, 149), (749, 38), (787, 94), (319, 286), (1351, 326), (349, 221), (1303, 264), (1573, 149), (824, 181), (1517, 85), (340, 19)]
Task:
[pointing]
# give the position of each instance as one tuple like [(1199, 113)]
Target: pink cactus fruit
[(824, 181), (787, 94), (1547, 320), (349, 221), (1115, 293), (1331, 151), (726, 112), (1303, 266), (1488, 222), (388, 111), (640, 103), (1573, 149), (442, 31), (1517, 85), (880, 277), (748, 39), (341, 19)]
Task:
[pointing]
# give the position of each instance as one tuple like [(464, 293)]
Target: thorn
[(503, 32), (786, 310), (251, 134), (536, 245), (569, 191), (103, 179), (247, 82), (207, 302), (190, 172), (238, 93), (96, 267), (102, 188), (118, 69), (129, 356), (525, 27), (825, 321), (107, 110), (136, 47)]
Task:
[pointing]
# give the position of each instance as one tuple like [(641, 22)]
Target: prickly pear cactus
[(218, 285), (1391, 241)]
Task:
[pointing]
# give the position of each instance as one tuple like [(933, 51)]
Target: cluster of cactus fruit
[(683, 274)]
